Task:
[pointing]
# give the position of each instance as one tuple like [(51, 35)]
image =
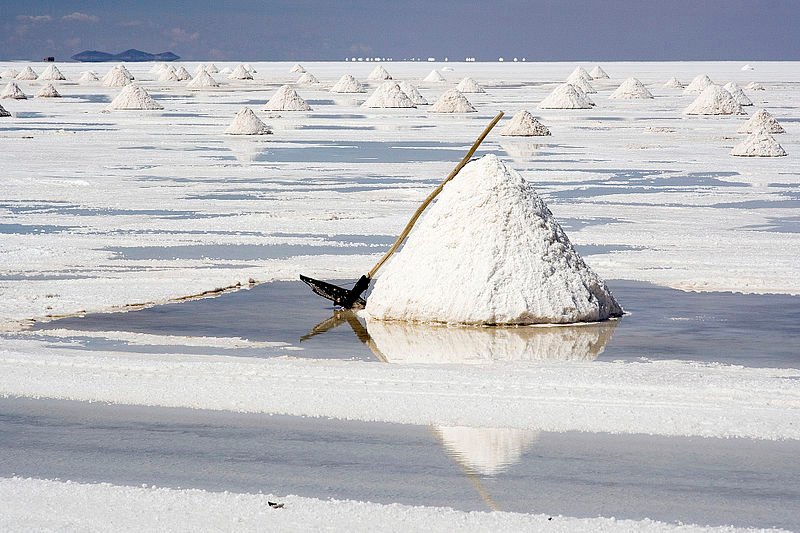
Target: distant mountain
[(131, 56)]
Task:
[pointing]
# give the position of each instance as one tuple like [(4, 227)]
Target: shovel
[(351, 298)]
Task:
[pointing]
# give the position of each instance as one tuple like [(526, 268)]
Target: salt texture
[(761, 120), (115, 78), (526, 125), (468, 85), (698, 84), (297, 69), (202, 80), (565, 97), (379, 73), (27, 74), (48, 91), (134, 97), (579, 73), (754, 86), (489, 252), (9, 73), (759, 144), (583, 95), (182, 74), (240, 73), (125, 71), (737, 93), (51, 73), (3, 112), (168, 74), (434, 77), (12, 90), (714, 100), (413, 93), (631, 88), (286, 99), (582, 84), (388, 94), (673, 83), (597, 73), (247, 123), (307, 79), (347, 84), (453, 101)]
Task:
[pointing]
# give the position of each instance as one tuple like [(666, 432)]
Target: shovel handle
[(433, 195)]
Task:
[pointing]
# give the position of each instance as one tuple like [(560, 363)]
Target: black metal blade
[(338, 295)]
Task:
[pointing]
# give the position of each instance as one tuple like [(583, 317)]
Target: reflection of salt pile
[(521, 148), (759, 144), (597, 73), (714, 100), (247, 123), (347, 84), (434, 77), (737, 93), (486, 451), (182, 74), (9, 73), (761, 120), (413, 93), (754, 86), (297, 69), (51, 73), (453, 101), (48, 91), (3, 112), (240, 73), (115, 78), (134, 97), (202, 81), (524, 124), (673, 83), (13, 91), (379, 73), (388, 94), (88, 77), (489, 252), (565, 97), (286, 99), (307, 79), (27, 74), (631, 89), (468, 85), (698, 84)]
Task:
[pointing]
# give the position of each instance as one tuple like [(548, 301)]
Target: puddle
[(25, 229), (360, 151), (234, 252), (777, 225)]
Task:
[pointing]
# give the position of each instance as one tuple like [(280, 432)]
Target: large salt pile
[(347, 84), (202, 81), (247, 123), (116, 78), (51, 73), (9, 73), (297, 69), (673, 83), (88, 76), (737, 93), (388, 94), (698, 84), (240, 73), (434, 77), (468, 85), (286, 99), (413, 93), (489, 252), (754, 86), (306, 78), (3, 112), (27, 74), (714, 100), (565, 97), (168, 74), (182, 74), (759, 144), (134, 97), (631, 89), (453, 101), (761, 120), (523, 124), (597, 73), (13, 91), (379, 73), (48, 91)]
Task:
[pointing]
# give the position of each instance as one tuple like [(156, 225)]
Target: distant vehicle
[(48, 59)]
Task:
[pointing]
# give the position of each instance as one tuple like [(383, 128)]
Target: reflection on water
[(485, 451), (520, 148)]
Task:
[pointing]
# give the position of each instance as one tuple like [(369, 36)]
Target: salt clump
[(247, 123), (714, 100), (3, 112), (759, 144), (673, 83), (468, 85), (27, 74), (434, 77), (240, 73), (134, 97), (115, 78), (565, 97), (297, 69), (737, 93), (698, 84), (631, 89), (453, 101), (754, 86), (88, 77), (524, 124), (202, 80), (597, 73), (9, 73), (13, 91), (379, 73), (286, 99), (182, 74), (51, 73), (413, 93), (489, 252), (48, 91), (388, 94), (307, 79), (347, 84), (761, 120)]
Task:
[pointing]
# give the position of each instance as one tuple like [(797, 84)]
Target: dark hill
[(131, 56)]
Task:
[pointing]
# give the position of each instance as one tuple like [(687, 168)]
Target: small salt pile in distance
[(489, 252), (412, 92), (523, 124), (27, 74), (453, 101), (240, 73), (168, 74), (565, 96), (754, 86), (87, 77), (13, 91), (698, 84), (3, 112), (470, 86), (761, 120), (297, 69), (203, 80), (247, 123), (51, 73), (9, 73), (597, 73), (737, 93), (388, 95), (631, 89), (116, 78), (307, 79), (156, 68), (182, 74), (759, 144), (581, 79), (379, 73), (714, 100), (200, 68), (125, 71), (347, 84), (133, 97), (48, 91), (434, 77), (286, 99), (673, 83), (212, 68)]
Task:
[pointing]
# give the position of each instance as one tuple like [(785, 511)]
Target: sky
[(539, 30)]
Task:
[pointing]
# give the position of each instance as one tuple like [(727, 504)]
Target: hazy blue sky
[(321, 29)]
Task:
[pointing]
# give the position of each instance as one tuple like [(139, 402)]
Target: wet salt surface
[(700, 480), (661, 324)]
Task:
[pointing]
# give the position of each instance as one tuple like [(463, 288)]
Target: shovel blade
[(345, 298)]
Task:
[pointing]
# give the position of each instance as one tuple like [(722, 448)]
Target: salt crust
[(761, 120), (673, 83), (388, 94), (307, 79), (48, 91), (27, 74), (453, 101), (202, 80), (565, 97), (115, 78), (286, 99), (240, 73), (714, 100), (489, 252), (434, 77), (412, 92), (347, 84), (698, 84), (525, 124), (630, 89), (247, 123), (379, 73), (134, 97), (51, 73), (468, 85), (3, 112), (13, 91), (737, 93), (759, 144), (297, 69), (597, 73)]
